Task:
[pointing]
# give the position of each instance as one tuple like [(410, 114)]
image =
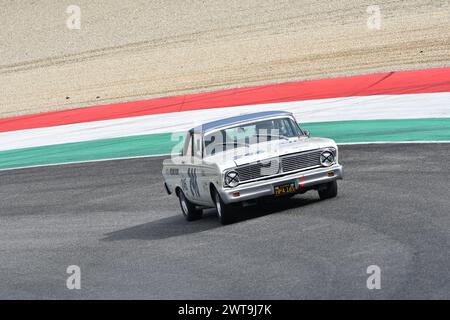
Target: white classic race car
[(243, 159)]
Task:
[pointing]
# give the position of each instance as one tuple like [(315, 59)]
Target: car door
[(190, 169)]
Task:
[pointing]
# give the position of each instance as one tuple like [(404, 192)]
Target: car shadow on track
[(175, 226), (274, 206), (164, 228)]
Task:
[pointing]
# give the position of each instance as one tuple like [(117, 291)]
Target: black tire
[(190, 212), (330, 190), (225, 212)]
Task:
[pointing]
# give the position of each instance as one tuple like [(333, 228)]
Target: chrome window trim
[(249, 121)]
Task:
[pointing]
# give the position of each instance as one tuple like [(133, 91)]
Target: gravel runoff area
[(130, 50)]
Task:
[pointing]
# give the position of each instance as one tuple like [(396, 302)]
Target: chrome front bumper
[(262, 188)]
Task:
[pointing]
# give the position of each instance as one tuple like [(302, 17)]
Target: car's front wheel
[(190, 212), (329, 190), (225, 212)]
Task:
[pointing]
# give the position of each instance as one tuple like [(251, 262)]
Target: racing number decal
[(193, 183)]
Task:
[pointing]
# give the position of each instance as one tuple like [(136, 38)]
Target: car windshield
[(251, 133)]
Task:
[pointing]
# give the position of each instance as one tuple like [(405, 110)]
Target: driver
[(263, 131)]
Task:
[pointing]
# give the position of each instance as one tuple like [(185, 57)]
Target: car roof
[(236, 119)]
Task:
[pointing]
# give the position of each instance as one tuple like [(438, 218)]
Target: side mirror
[(307, 133)]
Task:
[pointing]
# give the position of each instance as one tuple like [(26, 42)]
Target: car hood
[(262, 151)]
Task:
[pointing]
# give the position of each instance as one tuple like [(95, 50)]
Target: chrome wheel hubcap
[(218, 207), (183, 205)]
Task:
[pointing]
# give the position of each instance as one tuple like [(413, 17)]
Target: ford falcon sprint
[(238, 161)]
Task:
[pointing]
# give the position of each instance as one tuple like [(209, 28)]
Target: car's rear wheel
[(329, 190), (225, 212), (190, 212)]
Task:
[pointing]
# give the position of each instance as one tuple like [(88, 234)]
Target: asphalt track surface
[(114, 220)]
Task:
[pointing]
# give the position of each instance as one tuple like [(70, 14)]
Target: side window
[(193, 145), (296, 128), (286, 129), (188, 146), (197, 145)]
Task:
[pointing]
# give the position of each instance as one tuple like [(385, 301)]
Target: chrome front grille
[(258, 170), (300, 161), (291, 162)]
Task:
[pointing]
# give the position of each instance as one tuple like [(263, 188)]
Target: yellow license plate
[(285, 189)]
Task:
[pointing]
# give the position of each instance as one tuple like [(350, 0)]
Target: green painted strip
[(435, 129), (133, 146), (144, 145)]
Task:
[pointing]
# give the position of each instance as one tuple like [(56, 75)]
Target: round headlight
[(327, 158), (231, 178)]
